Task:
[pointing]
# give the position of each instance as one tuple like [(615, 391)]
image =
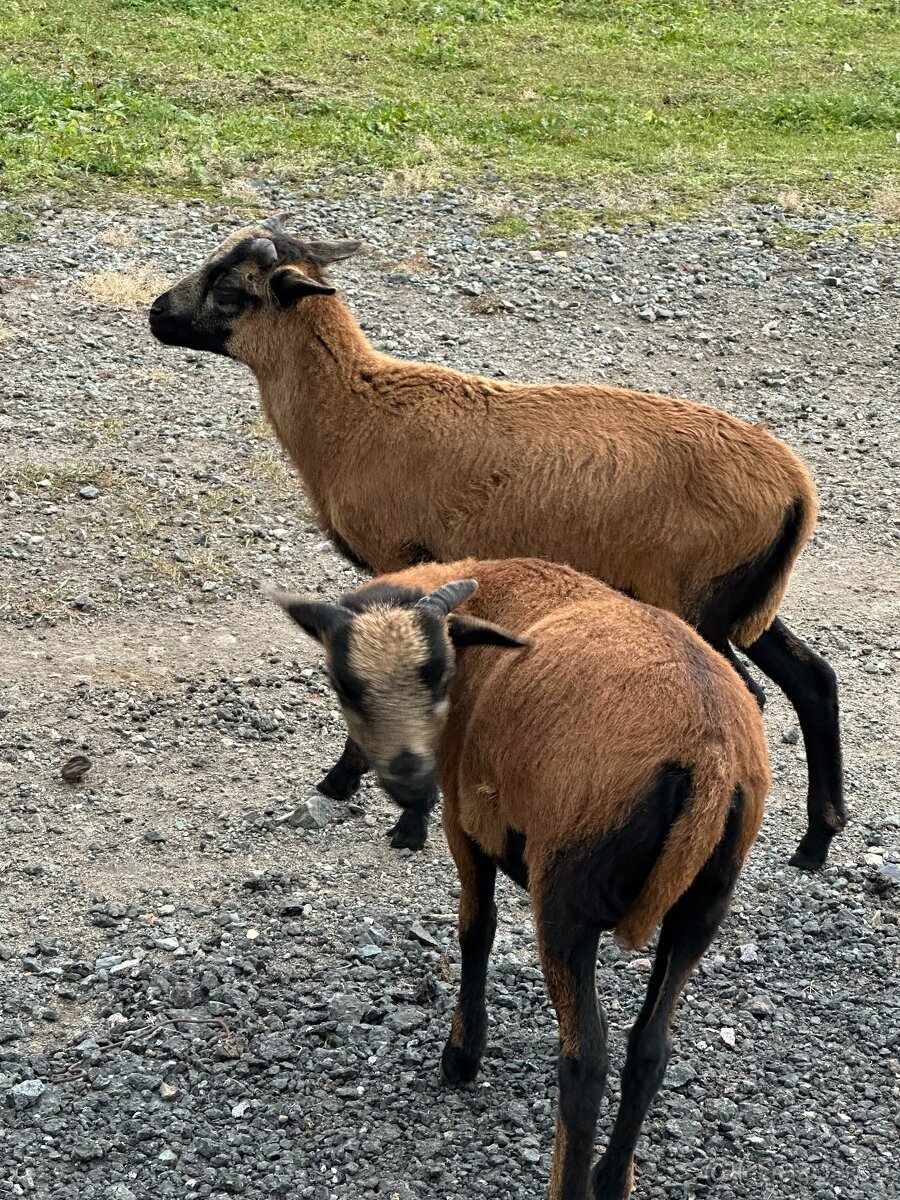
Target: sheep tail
[(690, 842), (765, 581)]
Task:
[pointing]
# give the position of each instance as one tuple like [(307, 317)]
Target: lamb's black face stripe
[(433, 671), (350, 688)]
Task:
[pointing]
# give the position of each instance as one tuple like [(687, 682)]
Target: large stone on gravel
[(346, 1009), (26, 1094), (404, 1019), (313, 813)]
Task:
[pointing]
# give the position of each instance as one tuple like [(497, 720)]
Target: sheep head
[(259, 269), (391, 664)]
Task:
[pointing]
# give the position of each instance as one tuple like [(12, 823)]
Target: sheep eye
[(226, 291)]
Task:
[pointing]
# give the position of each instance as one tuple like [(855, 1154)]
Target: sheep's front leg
[(410, 830), (569, 958), (346, 775), (477, 926)]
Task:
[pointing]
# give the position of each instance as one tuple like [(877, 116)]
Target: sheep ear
[(469, 631), (318, 618), (275, 223), (332, 252), (290, 285)]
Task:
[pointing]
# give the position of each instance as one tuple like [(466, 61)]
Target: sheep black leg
[(810, 685), (686, 934), (569, 958), (410, 830), (346, 775), (477, 925)]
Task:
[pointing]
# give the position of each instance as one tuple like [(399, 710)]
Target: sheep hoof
[(611, 1183), (410, 832), (807, 862), (457, 1067), (812, 851)]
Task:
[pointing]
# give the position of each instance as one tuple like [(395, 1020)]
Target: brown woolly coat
[(408, 461), (559, 742)]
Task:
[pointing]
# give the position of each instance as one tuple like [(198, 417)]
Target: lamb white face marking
[(387, 651)]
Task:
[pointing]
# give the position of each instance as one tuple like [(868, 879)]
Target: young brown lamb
[(616, 768), (674, 503)]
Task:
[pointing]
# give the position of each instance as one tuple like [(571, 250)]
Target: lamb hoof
[(337, 786), (409, 833), (457, 1067)]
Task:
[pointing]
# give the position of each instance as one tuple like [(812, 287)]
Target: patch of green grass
[(14, 226), (869, 233), (658, 104), (507, 227)]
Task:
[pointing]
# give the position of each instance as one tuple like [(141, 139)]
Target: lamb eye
[(347, 692)]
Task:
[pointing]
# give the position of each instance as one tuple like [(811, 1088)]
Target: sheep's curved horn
[(263, 250), (449, 596)]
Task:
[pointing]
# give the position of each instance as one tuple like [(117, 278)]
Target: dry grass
[(101, 429), (282, 481), (486, 304), (413, 264), (791, 200), (425, 175), (886, 200), (123, 289), (258, 428), (118, 239), (240, 192), (57, 479), (38, 606)]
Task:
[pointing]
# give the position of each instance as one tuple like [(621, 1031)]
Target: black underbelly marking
[(346, 551), (413, 553), (513, 861)]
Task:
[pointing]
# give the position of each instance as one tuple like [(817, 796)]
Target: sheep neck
[(309, 385)]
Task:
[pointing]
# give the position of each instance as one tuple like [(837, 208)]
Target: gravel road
[(211, 985)]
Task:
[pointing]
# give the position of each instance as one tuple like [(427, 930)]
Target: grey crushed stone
[(241, 1006)]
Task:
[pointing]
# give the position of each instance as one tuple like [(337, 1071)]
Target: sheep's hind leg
[(752, 686), (477, 926), (569, 958), (810, 685), (687, 931), (344, 778)]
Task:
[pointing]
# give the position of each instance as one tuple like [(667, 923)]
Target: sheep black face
[(391, 669), (258, 268)]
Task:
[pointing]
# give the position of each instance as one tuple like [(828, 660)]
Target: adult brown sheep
[(679, 505), (616, 768)]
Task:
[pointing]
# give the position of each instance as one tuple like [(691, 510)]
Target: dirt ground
[(144, 503)]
